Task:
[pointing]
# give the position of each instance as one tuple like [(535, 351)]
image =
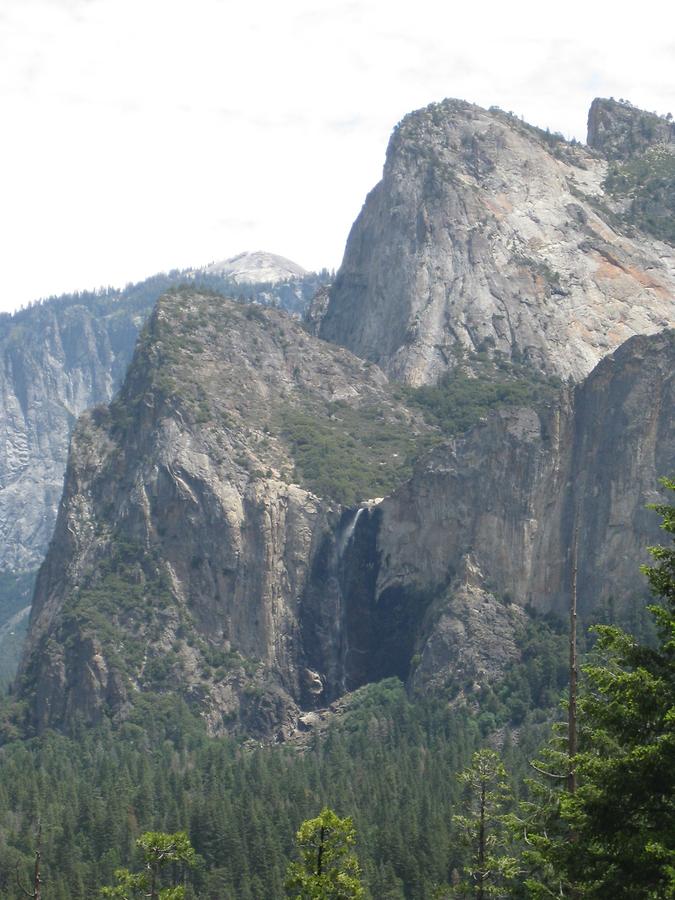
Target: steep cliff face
[(56, 362), (62, 357), (260, 523), (316, 310), (619, 130), (182, 545), (485, 527), (488, 235), (192, 555)]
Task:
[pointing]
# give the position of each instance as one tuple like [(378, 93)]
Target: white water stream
[(342, 544), (348, 533)]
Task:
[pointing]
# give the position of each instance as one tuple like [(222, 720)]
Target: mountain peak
[(487, 235), (257, 266)]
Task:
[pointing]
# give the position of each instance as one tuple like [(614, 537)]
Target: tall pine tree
[(615, 836)]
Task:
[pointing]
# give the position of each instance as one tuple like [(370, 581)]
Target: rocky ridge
[(244, 526), (60, 358), (488, 235), (183, 540), (192, 554)]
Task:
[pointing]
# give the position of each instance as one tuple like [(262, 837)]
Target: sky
[(144, 135)]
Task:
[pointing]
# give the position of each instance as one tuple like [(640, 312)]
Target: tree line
[(522, 827)]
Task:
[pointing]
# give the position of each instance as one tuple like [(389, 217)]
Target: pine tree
[(328, 868), (624, 815), (159, 850), (615, 836), (483, 827)]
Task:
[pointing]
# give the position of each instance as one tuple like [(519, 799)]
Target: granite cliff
[(183, 541), (485, 528), (488, 235), (58, 360), (200, 549), (61, 357), (262, 520)]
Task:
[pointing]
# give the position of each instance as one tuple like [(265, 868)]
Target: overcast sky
[(140, 136)]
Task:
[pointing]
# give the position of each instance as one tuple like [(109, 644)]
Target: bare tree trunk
[(37, 880), (153, 882), (481, 844), (572, 705), (319, 861)]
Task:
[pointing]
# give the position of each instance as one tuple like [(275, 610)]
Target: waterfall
[(348, 533), (342, 544)]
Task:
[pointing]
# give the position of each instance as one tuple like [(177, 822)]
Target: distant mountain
[(257, 267)]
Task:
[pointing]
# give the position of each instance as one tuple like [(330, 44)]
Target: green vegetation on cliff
[(467, 394), (647, 185), (349, 454)]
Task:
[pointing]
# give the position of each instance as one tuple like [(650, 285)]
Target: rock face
[(56, 362), (435, 580), (620, 131), (485, 527), (244, 525), (182, 546), (487, 235), (62, 357), (316, 311), (187, 558)]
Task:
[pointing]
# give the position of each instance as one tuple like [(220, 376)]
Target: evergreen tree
[(615, 836), (159, 850), (328, 868), (483, 827), (624, 816)]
